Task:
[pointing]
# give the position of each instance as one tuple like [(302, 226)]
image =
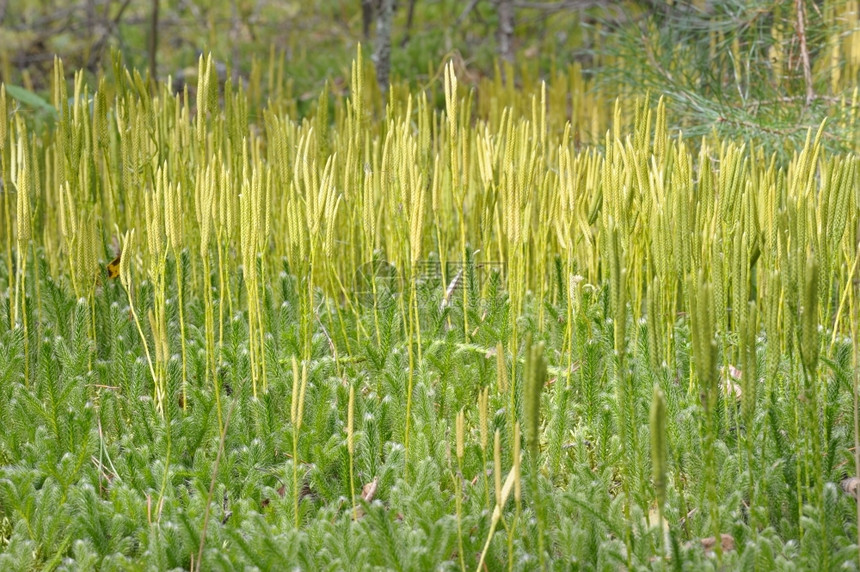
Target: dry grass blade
[(212, 484), (497, 515), (368, 491)]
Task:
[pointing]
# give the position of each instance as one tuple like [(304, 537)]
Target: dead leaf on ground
[(851, 486), (727, 541)]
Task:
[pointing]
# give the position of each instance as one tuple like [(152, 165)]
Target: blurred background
[(764, 68)]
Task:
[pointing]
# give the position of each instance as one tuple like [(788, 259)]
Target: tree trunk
[(505, 33), (410, 14), (383, 43), (366, 18), (153, 44)]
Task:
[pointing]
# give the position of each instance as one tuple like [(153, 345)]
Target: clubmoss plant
[(349, 265)]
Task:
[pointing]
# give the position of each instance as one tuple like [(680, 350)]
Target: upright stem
[(142, 337), (21, 291), (180, 282), (212, 371), (856, 389), (854, 310), (409, 388)]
